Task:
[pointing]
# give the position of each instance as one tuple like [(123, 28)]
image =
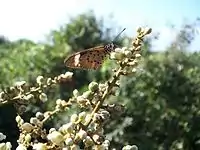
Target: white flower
[(134, 70), (117, 55), (123, 49), (76, 93), (2, 95), (55, 137), (43, 97), (27, 138), (39, 146), (74, 118), (82, 134), (74, 147), (106, 143), (5, 146), (2, 136), (118, 50), (69, 141), (130, 147), (34, 121), (52, 130), (67, 128), (88, 141), (127, 53), (8, 146), (19, 120), (95, 137), (82, 115), (68, 75), (21, 147), (20, 83), (58, 102), (137, 55), (40, 80)]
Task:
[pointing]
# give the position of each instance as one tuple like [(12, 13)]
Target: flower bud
[(34, 121), (20, 83), (52, 130), (82, 115), (55, 137), (19, 120), (67, 128), (137, 55), (69, 142), (39, 115), (27, 138), (27, 127), (76, 93), (5, 146), (82, 134), (139, 29), (74, 147), (93, 86), (117, 55), (129, 147), (40, 80), (128, 53), (21, 147), (69, 75), (74, 118), (88, 141), (2, 136), (39, 146), (43, 97), (49, 81)]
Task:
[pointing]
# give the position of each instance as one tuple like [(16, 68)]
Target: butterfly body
[(91, 58)]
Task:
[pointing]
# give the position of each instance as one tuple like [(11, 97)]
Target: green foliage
[(162, 102)]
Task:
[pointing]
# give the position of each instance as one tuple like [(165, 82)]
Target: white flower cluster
[(4, 146)]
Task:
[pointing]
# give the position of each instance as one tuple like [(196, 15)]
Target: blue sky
[(33, 19)]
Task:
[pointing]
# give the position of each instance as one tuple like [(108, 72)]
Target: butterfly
[(91, 58)]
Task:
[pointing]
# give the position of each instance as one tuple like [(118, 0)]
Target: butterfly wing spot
[(77, 60)]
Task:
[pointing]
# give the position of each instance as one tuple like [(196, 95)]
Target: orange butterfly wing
[(87, 59)]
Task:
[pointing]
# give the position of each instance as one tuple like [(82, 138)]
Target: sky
[(34, 19)]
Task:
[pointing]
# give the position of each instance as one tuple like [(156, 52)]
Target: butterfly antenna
[(119, 34)]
